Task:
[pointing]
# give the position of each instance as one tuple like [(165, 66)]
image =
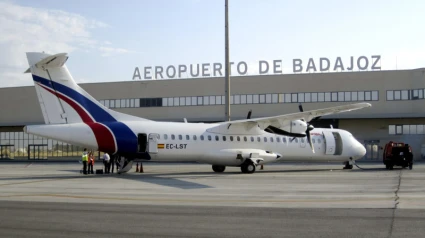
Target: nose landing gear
[(348, 165)]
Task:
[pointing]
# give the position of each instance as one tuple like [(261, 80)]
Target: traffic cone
[(262, 167), (137, 167), (141, 168)]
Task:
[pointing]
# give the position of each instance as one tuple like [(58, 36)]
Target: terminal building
[(397, 112)]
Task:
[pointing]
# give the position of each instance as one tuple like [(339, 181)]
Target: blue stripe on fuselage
[(98, 113), (124, 136)]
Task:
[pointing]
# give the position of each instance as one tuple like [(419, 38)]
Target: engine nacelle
[(296, 126)]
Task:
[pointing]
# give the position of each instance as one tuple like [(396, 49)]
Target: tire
[(410, 166), (248, 168), (391, 167), (218, 168)]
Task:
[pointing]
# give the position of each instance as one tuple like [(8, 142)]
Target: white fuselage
[(172, 141)]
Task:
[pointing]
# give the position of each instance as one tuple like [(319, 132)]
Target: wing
[(283, 120)]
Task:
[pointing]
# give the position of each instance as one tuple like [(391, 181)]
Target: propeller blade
[(300, 107), (278, 131), (309, 141), (249, 114)]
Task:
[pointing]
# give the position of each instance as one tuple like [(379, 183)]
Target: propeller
[(249, 114), (309, 128)]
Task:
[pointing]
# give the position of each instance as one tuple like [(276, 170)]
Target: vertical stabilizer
[(61, 99)]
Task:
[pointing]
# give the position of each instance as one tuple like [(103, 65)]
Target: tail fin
[(61, 99)]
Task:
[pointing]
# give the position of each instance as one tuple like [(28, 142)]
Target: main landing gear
[(218, 168), (248, 167), (348, 165)]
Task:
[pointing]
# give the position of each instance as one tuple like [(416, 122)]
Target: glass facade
[(22, 145), (266, 98), (406, 94), (406, 129)]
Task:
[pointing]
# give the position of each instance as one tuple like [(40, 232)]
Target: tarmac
[(189, 200)]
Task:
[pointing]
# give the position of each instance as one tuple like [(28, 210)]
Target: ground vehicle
[(397, 154)]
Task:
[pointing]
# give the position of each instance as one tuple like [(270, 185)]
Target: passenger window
[(216, 138), (319, 141), (165, 137), (252, 139), (231, 138), (194, 137), (265, 139), (239, 139), (187, 137), (245, 139), (209, 137), (180, 137), (258, 139), (173, 137), (202, 137), (290, 140), (159, 136), (284, 139), (314, 141), (271, 139), (224, 138), (296, 140), (302, 140), (278, 139)]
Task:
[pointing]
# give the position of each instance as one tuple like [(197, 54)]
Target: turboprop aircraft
[(72, 115)]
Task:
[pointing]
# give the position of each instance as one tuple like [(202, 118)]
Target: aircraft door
[(330, 142), (153, 143)]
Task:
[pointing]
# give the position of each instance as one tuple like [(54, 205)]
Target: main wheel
[(248, 168), (410, 165), (218, 168)]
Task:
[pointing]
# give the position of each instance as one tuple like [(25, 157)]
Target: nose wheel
[(348, 165)]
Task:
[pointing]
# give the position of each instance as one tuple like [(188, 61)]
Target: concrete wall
[(21, 104)]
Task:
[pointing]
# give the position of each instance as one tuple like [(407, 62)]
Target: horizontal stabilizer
[(52, 61)]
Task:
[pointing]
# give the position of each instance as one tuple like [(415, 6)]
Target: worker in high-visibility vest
[(85, 159), (91, 163)]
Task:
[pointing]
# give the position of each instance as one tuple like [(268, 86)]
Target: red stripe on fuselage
[(104, 137), (81, 112)]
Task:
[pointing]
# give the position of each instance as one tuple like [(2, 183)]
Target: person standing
[(85, 159), (112, 163), (106, 162), (91, 163)]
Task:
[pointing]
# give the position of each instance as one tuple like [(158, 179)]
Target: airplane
[(73, 116)]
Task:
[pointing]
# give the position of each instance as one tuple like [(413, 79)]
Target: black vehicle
[(397, 154)]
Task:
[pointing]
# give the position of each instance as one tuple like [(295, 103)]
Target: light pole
[(226, 63)]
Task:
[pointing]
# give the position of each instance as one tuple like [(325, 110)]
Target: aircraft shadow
[(163, 181)]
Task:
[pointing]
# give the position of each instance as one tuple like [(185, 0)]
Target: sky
[(107, 39)]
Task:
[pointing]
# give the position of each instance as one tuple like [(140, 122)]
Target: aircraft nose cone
[(360, 151)]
